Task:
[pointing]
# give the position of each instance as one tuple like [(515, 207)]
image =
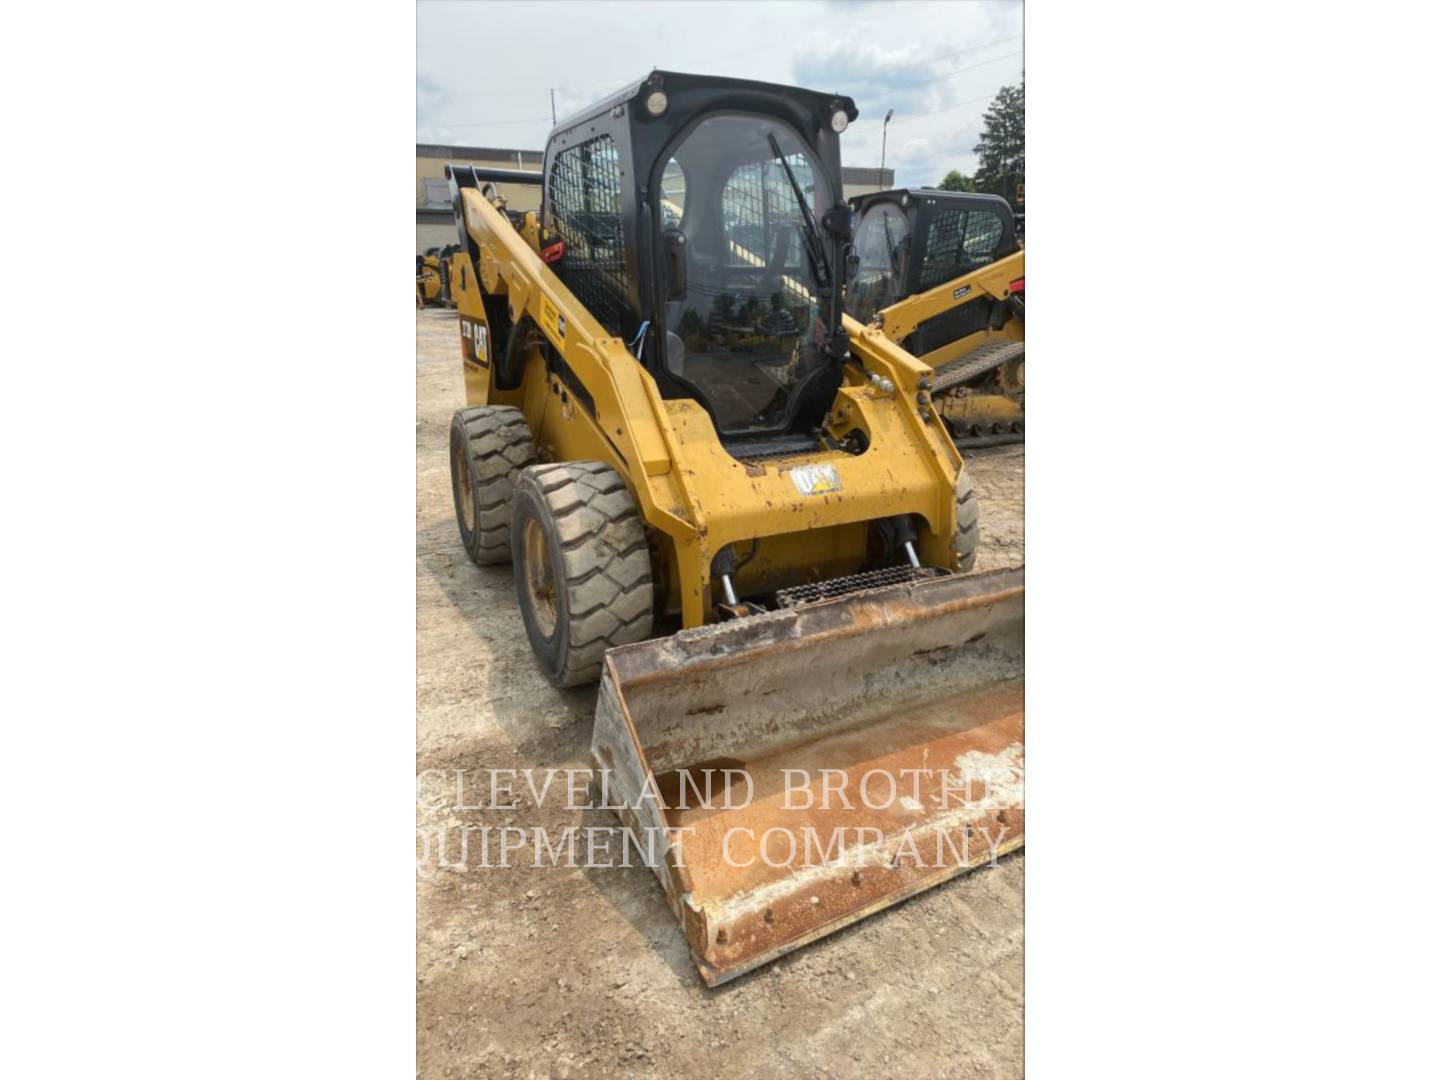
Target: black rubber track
[(975, 363)]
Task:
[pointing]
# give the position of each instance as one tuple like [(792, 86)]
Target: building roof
[(858, 174), (477, 153)]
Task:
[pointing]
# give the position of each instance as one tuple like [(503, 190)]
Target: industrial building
[(434, 219)]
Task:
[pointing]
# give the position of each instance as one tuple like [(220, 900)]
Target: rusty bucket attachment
[(787, 774)]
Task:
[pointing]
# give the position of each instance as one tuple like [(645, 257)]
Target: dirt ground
[(551, 971)]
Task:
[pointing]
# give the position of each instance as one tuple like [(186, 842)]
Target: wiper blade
[(890, 245), (812, 231)]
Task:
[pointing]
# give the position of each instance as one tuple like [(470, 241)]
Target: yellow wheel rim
[(539, 580)]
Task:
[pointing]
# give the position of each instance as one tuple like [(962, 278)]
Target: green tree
[(955, 180), (1002, 144)]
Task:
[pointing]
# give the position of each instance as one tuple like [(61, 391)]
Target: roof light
[(839, 121), (656, 103)]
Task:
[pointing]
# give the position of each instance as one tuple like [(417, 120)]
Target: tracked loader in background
[(737, 509), (942, 274)]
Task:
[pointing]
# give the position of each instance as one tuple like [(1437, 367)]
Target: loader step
[(853, 583)]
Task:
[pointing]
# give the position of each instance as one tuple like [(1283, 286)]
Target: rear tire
[(489, 446), (967, 523), (582, 567)]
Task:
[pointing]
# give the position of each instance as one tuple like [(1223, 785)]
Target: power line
[(962, 52), (887, 93), (946, 75), (893, 9), (872, 127), (929, 112), (491, 123)]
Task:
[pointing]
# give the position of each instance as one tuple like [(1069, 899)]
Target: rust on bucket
[(805, 768)]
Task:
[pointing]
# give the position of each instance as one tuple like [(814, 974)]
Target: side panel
[(989, 282), (476, 341)]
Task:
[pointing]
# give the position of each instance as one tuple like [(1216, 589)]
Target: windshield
[(882, 245), (741, 319)]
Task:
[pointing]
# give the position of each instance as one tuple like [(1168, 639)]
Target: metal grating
[(586, 213), (959, 241), (853, 583), (754, 457), (757, 202)]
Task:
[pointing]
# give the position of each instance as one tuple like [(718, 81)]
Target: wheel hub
[(539, 579), (466, 493)]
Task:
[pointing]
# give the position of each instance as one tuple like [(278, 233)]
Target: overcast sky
[(484, 71)]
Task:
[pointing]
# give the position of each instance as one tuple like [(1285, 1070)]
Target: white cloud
[(477, 84)]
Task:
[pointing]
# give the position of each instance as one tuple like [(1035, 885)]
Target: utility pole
[(884, 131), (552, 107)]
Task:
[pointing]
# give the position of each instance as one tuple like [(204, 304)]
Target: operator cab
[(703, 221), (909, 241)]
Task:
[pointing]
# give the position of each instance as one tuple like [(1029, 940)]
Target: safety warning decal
[(552, 321), (816, 479)]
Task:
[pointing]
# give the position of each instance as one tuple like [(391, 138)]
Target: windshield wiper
[(890, 246), (818, 261)]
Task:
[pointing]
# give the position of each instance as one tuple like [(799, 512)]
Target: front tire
[(489, 446), (582, 567), (967, 524)]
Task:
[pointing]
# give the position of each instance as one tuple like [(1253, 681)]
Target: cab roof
[(677, 81)]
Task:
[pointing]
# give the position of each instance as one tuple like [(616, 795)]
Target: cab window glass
[(882, 247), (585, 212), (741, 315), (672, 193), (960, 242)]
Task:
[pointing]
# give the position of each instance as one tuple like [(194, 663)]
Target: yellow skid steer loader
[(427, 277), (942, 274), (738, 510)]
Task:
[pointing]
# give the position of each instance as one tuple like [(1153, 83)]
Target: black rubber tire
[(966, 541), (593, 543), (489, 445)]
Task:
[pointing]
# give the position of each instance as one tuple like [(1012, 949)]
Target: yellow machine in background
[(942, 274), (437, 273), (427, 277), (449, 263), (672, 426)]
